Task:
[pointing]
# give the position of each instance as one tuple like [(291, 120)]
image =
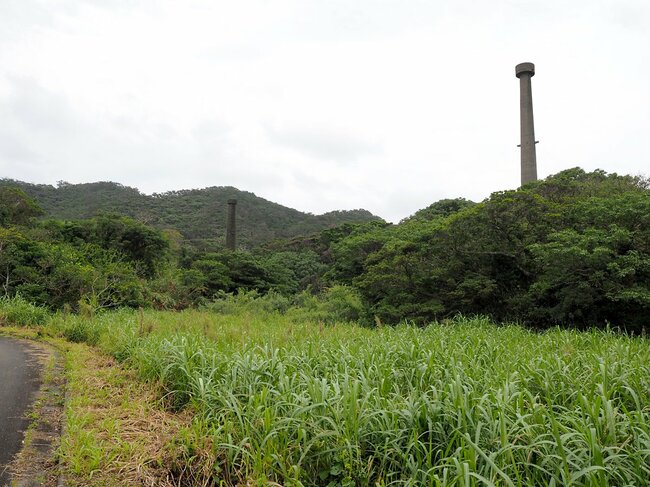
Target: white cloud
[(322, 142)]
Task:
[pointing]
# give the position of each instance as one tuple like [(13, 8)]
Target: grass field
[(462, 403)]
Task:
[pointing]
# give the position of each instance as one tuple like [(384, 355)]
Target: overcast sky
[(387, 105)]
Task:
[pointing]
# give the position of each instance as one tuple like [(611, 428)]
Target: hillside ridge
[(199, 215)]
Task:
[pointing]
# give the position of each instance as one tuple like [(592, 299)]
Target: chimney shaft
[(524, 72), (231, 230)]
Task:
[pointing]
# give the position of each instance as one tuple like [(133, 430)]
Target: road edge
[(36, 464)]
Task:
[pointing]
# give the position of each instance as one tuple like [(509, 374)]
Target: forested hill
[(198, 214)]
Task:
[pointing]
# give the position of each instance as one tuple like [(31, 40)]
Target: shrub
[(78, 329), (18, 311), (248, 301), (336, 304), (342, 303)]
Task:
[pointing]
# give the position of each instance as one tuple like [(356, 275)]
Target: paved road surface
[(19, 381)]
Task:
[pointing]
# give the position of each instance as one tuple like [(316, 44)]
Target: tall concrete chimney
[(524, 72), (230, 225)]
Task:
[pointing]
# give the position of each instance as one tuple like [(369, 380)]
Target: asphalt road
[(19, 382)]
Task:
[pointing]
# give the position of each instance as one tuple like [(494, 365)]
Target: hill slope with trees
[(198, 214), (573, 249)]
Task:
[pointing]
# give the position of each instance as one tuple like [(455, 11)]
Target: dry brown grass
[(118, 432)]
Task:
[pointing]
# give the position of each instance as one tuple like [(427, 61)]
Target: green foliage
[(441, 209), (591, 276), (248, 302), (215, 275), (341, 304), (576, 183), (206, 275), (16, 208), (59, 274), (45, 268), (348, 254), (573, 249), (177, 289), (145, 248), (336, 304), (245, 270), (295, 403), (199, 215), (17, 311), (80, 330), (292, 272)]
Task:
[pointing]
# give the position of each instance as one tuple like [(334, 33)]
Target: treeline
[(111, 261), (198, 216), (573, 249)]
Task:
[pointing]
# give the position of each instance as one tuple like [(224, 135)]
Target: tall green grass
[(466, 403), (462, 403), (17, 311)]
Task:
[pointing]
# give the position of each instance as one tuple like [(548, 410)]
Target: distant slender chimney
[(524, 72), (231, 230)]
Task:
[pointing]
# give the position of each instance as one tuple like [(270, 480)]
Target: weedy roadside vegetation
[(463, 402), (20, 312)]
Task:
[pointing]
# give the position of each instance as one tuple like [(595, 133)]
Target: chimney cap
[(232, 201), (524, 68)]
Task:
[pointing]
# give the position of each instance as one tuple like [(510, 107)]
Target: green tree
[(16, 208), (572, 249), (144, 247)]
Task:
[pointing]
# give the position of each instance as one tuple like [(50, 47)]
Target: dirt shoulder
[(115, 430)]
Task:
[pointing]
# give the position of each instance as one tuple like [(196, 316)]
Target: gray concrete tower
[(524, 72), (231, 231)]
